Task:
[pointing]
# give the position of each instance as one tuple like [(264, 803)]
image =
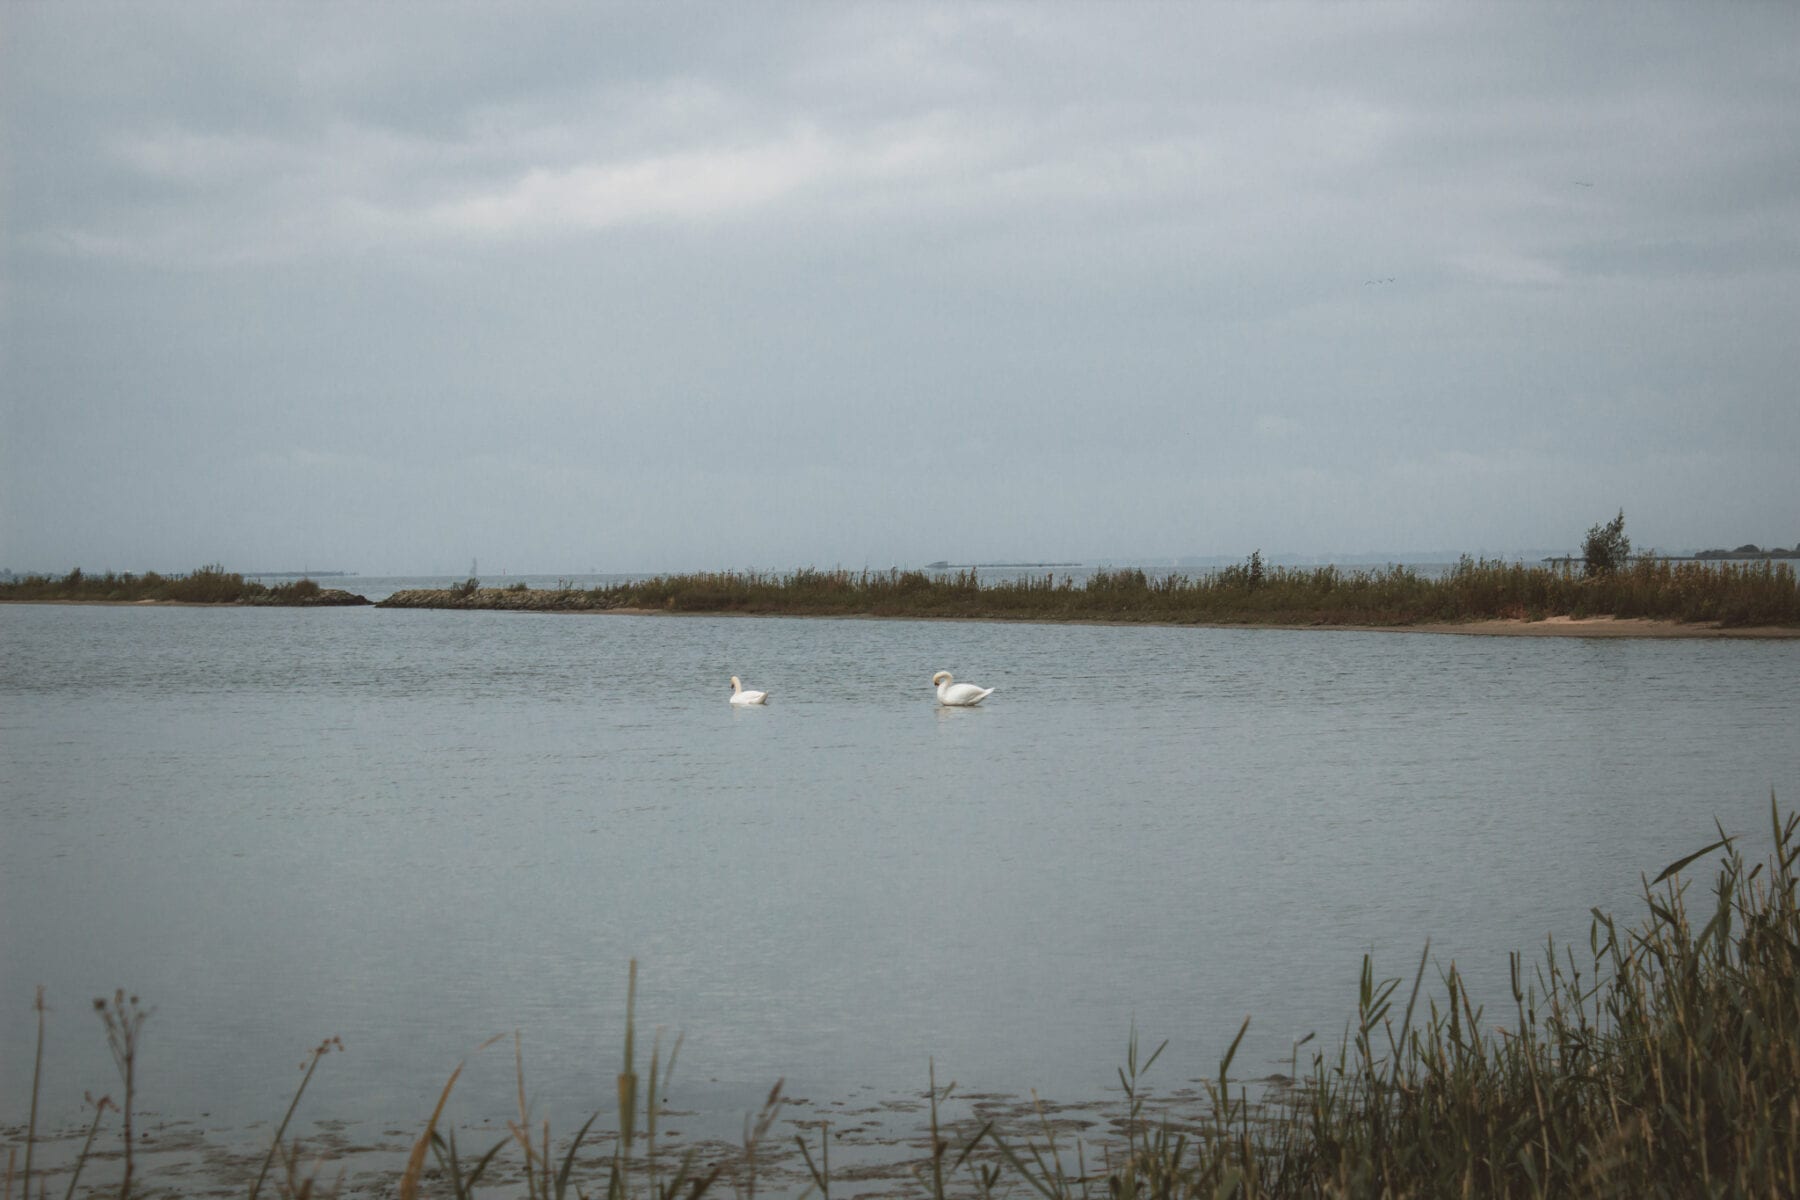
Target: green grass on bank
[(1657, 1060), (1729, 594), (207, 585)]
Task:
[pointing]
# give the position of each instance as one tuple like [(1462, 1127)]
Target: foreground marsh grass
[(1658, 1060), (1728, 594)]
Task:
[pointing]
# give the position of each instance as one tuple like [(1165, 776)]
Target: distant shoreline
[(1651, 599), (1564, 627), (1554, 627), (1603, 627), (210, 585), (1557, 626)]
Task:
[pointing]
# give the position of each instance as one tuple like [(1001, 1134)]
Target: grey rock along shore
[(328, 598), (508, 599)]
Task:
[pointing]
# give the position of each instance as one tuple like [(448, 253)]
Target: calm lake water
[(415, 830)]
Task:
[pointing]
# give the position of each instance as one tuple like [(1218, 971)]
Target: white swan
[(958, 695), (740, 696)]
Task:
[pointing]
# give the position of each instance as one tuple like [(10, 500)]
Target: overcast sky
[(568, 286)]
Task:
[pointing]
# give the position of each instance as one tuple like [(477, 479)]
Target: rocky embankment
[(323, 598), (503, 599)]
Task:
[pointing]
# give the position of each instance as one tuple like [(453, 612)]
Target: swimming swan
[(740, 696), (959, 695)]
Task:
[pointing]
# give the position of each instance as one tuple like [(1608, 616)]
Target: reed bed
[(1669, 1067), (211, 584), (1660, 1060), (1726, 594)]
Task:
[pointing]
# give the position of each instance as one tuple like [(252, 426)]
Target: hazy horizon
[(650, 288), (499, 568)]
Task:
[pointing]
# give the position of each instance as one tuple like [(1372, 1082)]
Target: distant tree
[(1248, 574), (1606, 547)]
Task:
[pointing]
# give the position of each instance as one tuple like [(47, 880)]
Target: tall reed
[(1663, 1062), (124, 1021), (37, 1076), (311, 1064)]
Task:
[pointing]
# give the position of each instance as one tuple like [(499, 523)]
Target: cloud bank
[(661, 287)]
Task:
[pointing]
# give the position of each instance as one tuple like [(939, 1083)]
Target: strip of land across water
[(1650, 598), (210, 585)]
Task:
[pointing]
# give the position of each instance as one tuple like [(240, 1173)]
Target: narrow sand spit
[(1575, 627), (1580, 627), (1604, 627)]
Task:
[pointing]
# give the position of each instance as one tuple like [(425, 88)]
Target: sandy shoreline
[(1576, 627), (1604, 627)]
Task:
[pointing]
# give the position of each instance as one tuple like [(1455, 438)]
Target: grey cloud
[(1108, 262)]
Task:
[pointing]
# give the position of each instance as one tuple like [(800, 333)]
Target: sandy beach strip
[(1579, 627), (1602, 627)]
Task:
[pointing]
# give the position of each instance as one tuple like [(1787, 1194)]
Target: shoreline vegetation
[(211, 584), (1660, 1059), (1722, 595), (1647, 597)]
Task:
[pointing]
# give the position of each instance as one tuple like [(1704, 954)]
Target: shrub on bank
[(211, 584)]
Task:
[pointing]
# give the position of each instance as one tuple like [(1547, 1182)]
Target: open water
[(415, 830)]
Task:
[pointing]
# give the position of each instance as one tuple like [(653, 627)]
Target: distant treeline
[(208, 585), (1732, 594)]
